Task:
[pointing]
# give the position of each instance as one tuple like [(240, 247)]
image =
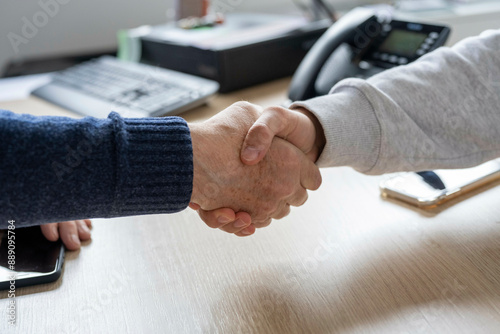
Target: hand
[(264, 191), (299, 127), (71, 232), (225, 219)]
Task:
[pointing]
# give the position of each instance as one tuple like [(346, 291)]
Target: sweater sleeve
[(56, 168), (442, 111)]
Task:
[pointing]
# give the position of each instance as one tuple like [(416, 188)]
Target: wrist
[(209, 151), (198, 168), (320, 139)]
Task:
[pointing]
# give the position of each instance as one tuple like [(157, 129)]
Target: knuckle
[(283, 213), (266, 210), (247, 108), (288, 189), (304, 198), (242, 104), (300, 198), (277, 111), (263, 223), (273, 208)]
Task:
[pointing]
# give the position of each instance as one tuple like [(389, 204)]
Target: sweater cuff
[(155, 165), (351, 128)]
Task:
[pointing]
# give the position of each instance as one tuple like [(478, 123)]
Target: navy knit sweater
[(56, 168)]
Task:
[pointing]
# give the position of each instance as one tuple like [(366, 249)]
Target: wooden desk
[(345, 262)]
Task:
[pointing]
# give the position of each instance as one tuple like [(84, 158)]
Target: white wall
[(78, 26)]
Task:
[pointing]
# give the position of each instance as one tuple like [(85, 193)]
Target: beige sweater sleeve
[(442, 111)]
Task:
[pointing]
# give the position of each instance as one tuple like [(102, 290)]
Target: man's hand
[(299, 127), (265, 190), (70, 232)]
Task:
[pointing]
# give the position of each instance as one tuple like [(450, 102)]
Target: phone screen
[(403, 42), (37, 260)]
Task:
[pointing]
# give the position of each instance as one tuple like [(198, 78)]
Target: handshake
[(251, 165)]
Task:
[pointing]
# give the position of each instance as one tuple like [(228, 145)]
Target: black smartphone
[(34, 259)]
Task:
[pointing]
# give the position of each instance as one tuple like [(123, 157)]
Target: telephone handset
[(362, 44)]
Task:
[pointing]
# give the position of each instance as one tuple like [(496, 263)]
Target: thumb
[(274, 121)]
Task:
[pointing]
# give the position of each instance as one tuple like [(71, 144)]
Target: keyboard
[(99, 86)]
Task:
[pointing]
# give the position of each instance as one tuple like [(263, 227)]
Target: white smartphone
[(429, 189)]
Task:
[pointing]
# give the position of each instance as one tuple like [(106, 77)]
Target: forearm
[(439, 112), (56, 169)]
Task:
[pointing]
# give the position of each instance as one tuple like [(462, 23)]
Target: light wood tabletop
[(347, 261)]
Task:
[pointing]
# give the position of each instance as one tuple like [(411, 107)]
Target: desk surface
[(345, 262)]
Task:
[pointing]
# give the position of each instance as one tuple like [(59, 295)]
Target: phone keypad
[(427, 44), (390, 57)]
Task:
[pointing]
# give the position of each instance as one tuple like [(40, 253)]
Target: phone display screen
[(35, 257), (402, 42)]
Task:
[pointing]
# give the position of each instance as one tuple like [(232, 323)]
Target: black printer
[(245, 50)]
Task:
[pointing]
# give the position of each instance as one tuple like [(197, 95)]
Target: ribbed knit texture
[(56, 168)]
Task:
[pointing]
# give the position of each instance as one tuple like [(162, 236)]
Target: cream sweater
[(442, 111)]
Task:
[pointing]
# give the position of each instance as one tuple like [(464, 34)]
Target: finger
[(69, 235), (283, 212), (194, 206), (263, 223), (83, 230), (274, 121), (242, 221), (88, 222), (298, 198), (310, 176), (50, 232), (218, 217), (246, 231)]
